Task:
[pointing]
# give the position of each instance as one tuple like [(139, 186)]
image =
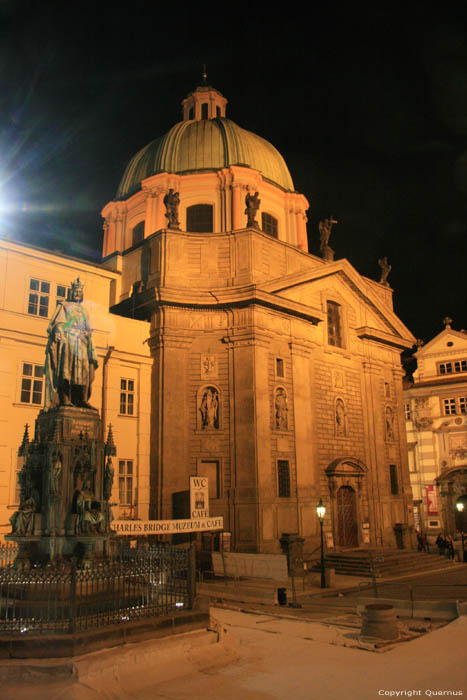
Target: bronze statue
[(385, 270), (325, 228), (71, 358), (171, 203), (252, 202)]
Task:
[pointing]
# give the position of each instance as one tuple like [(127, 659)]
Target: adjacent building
[(226, 349), (436, 423)]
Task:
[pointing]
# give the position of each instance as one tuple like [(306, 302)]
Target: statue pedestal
[(66, 481)]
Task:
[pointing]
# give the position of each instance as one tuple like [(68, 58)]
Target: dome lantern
[(203, 103)]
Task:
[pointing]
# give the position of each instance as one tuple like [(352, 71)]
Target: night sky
[(368, 110)]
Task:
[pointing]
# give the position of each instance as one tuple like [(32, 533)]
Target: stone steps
[(385, 562)]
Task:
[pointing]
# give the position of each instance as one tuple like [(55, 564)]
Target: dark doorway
[(347, 535)]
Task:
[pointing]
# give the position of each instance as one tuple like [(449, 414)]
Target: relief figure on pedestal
[(22, 521), (340, 418), (209, 408), (389, 416), (280, 410), (71, 358), (89, 519)]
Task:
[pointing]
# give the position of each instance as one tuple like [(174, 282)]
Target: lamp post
[(321, 511), (460, 507)]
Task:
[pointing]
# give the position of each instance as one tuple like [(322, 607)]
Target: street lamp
[(321, 511), (460, 507)]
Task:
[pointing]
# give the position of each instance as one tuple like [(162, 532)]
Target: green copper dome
[(205, 144)]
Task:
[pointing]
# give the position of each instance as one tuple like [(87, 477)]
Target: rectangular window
[(334, 324), (387, 390), (127, 397), (204, 110), (211, 469), (449, 367), (283, 478), (408, 415), (32, 383), (38, 302), (269, 224), (394, 480), (463, 404), (62, 292), (280, 369), (125, 482), (449, 407)]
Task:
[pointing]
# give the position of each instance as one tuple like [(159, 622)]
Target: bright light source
[(321, 509), (179, 605)]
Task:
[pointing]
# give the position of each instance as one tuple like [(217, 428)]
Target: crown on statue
[(77, 284)]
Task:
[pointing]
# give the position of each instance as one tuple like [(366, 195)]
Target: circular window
[(450, 344)]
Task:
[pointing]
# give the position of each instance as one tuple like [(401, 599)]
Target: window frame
[(449, 367), (458, 403), (191, 212), (270, 224), (40, 294), (124, 476), (284, 479), (339, 316), (394, 480), (33, 378), (126, 393)]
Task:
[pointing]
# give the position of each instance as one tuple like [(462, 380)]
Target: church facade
[(273, 372)]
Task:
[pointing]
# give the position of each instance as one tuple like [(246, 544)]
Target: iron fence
[(52, 600), (8, 552)]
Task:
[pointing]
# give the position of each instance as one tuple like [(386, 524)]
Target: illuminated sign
[(165, 527)]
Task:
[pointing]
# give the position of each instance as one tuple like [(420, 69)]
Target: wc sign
[(199, 497)]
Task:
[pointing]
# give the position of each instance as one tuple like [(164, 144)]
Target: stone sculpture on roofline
[(67, 475)]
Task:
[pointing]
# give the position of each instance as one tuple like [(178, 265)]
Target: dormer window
[(199, 218)]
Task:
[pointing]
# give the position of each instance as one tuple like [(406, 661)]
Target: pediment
[(371, 302), (448, 341)]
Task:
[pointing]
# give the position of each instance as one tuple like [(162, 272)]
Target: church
[(225, 348)]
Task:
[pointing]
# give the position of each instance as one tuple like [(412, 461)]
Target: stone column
[(238, 208), (159, 215), (149, 222), (307, 466), (170, 465), (302, 238), (375, 448)]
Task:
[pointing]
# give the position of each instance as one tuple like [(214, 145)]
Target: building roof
[(205, 144)]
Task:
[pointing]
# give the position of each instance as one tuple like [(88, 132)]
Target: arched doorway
[(347, 534)]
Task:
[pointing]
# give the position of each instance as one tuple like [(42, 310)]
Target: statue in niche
[(209, 408), (280, 410), (340, 418), (108, 478), (385, 270), (55, 473), (172, 203), (89, 519), (71, 358), (389, 423), (22, 521), (252, 202)]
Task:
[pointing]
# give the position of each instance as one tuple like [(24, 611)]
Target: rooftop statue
[(325, 228), (385, 270), (171, 203), (71, 358), (252, 202)]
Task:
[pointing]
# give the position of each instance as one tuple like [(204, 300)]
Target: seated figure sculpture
[(71, 358)]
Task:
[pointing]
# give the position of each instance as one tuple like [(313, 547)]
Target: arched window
[(138, 233), (199, 218), (269, 224)]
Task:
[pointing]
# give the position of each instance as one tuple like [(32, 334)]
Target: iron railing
[(8, 552), (53, 600)]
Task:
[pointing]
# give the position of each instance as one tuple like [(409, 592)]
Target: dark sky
[(369, 111)]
